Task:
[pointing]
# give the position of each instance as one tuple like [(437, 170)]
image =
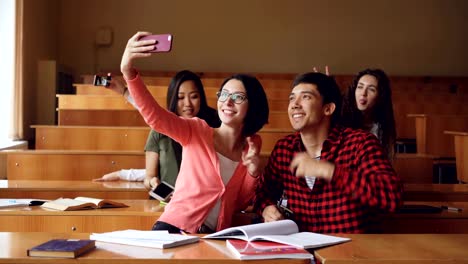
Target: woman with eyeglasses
[(220, 166)]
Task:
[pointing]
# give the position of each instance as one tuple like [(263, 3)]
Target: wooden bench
[(430, 137), (405, 126), (91, 164), (39, 189), (106, 102), (436, 192), (117, 138), (461, 154), (91, 138), (140, 215), (69, 165), (405, 102), (86, 117), (116, 102), (444, 222), (161, 91), (89, 89), (414, 168), (454, 84)]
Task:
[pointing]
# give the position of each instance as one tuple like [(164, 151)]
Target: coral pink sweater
[(199, 184)]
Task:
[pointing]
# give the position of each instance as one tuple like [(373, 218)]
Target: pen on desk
[(450, 208), (183, 233), (162, 203)]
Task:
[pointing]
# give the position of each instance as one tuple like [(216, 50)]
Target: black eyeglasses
[(237, 98)]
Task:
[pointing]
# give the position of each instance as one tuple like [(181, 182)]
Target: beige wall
[(404, 37), (416, 37), (40, 43)]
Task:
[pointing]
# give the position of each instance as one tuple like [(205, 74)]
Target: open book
[(153, 239), (81, 203), (283, 231)]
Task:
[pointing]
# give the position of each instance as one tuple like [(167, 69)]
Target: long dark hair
[(382, 111), (206, 113)]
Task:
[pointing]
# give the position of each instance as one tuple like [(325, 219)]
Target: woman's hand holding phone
[(141, 45), (135, 48)]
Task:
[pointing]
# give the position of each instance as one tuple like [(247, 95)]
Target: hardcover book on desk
[(62, 248)]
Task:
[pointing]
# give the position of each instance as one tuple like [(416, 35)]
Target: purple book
[(62, 248)]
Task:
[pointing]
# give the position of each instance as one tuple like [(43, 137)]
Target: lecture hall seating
[(140, 215), (430, 137), (69, 165), (461, 154), (118, 138), (53, 189)]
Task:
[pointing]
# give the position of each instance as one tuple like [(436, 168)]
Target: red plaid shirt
[(363, 184)]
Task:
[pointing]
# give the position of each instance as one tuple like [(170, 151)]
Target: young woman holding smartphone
[(220, 166)]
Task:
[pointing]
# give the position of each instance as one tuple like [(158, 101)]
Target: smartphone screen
[(101, 81), (163, 42), (162, 191)]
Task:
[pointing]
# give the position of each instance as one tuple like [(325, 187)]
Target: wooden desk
[(140, 215), (115, 138), (397, 248), (77, 165), (445, 222), (436, 192), (109, 138), (414, 168), (39, 189), (13, 248), (273, 93), (90, 117), (461, 154), (378, 248), (114, 102), (74, 117), (430, 137)]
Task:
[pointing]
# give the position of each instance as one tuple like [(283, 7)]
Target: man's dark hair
[(328, 89)]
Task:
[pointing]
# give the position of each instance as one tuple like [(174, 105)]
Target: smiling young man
[(329, 178)]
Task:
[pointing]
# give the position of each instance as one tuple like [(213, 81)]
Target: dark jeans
[(159, 225)]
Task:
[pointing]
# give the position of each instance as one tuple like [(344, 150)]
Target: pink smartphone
[(163, 42)]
